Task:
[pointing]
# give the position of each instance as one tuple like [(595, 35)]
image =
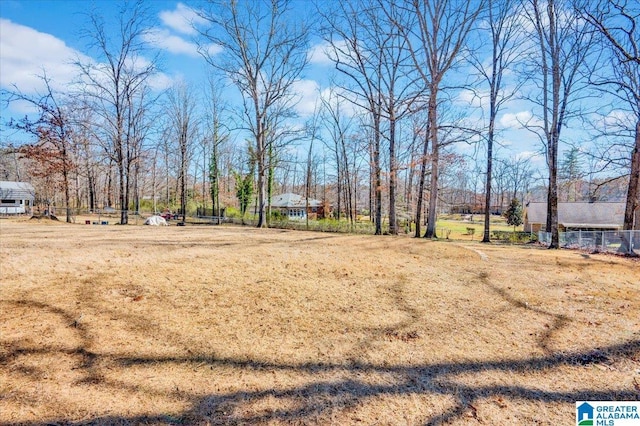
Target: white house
[(16, 197)]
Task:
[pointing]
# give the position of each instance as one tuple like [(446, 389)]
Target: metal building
[(16, 197)]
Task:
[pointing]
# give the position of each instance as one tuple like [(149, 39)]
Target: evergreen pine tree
[(514, 214)]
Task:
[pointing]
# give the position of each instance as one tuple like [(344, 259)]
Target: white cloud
[(163, 39), (338, 97), (161, 81), (309, 96), (318, 54), (518, 120), (307, 93), (23, 107), (473, 98), (529, 155), (214, 49), (27, 54), (182, 19), (324, 53), (619, 119)]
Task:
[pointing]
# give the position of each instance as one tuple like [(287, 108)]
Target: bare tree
[(502, 22), (116, 88), (421, 139), (217, 134), (140, 122), (519, 174), (282, 133), (565, 44), (399, 91), (52, 152), (368, 48), (264, 53), (435, 43), (312, 130), (338, 126), (619, 22), (355, 49), (88, 158), (183, 129), (501, 175)]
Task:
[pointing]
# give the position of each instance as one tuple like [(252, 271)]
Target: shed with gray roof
[(16, 197), (294, 206), (576, 216)]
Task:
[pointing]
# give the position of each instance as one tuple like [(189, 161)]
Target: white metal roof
[(16, 191), (580, 215), (292, 200)]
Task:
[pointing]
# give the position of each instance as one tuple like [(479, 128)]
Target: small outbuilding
[(16, 197), (576, 216)]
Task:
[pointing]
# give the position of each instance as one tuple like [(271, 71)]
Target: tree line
[(412, 83)]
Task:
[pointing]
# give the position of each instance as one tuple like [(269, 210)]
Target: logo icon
[(584, 415)]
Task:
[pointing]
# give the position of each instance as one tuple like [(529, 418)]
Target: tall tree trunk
[(261, 160), (123, 196), (183, 192), (632, 211), (136, 188), (270, 176), (487, 188), (262, 190), (435, 158), (634, 183), (554, 140), (423, 178), (109, 186), (67, 197), (338, 184), (377, 173), (308, 183), (393, 171), (92, 190), (348, 185)]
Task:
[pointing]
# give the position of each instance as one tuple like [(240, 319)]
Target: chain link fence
[(624, 242)]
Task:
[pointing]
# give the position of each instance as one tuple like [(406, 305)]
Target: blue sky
[(38, 33), (45, 34)]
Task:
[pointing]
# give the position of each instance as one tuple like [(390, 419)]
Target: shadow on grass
[(312, 401)]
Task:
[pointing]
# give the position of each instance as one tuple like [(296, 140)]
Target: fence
[(601, 241)]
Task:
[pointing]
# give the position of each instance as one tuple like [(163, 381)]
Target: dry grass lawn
[(224, 325)]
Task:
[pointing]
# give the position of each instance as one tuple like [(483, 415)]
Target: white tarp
[(156, 221)]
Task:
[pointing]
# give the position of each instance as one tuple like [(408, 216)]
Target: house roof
[(16, 191), (580, 215), (293, 200)]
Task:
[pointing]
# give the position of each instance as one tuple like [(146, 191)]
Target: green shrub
[(232, 212), (277, 215), (514, 237)]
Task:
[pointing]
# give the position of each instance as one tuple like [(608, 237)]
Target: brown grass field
[(217, 325)]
